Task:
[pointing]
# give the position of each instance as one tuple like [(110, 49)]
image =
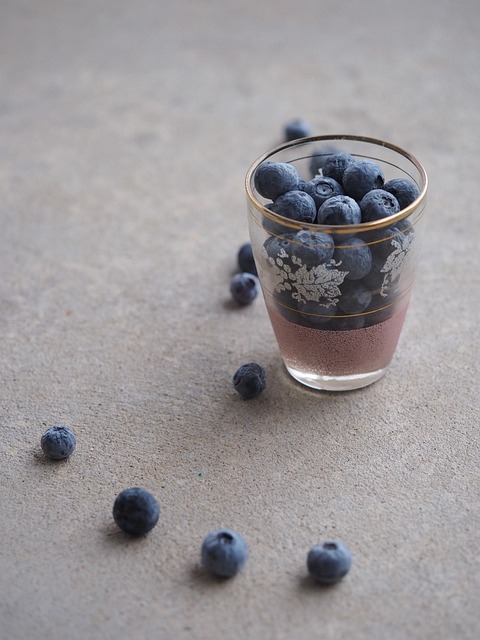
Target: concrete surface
[(126, 132)]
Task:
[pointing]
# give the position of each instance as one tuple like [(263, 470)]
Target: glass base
[(336, 383)]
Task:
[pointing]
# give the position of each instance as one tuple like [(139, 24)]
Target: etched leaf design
[(319, 283), (394, 263)]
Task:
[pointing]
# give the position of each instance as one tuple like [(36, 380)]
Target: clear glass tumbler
[(337, 329)]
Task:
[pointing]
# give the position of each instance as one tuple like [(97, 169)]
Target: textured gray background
[(126, 129)]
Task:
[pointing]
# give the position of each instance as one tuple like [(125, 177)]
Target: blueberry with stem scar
[(244, 288), (224, 553), (328, 562), (322, 188), (58, 442), (378, 204), (405, 191)]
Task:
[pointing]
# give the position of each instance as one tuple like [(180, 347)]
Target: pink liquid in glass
[(324, 352)]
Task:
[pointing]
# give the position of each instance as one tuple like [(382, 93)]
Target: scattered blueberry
[(312, 248), (378, 204), (336, 164), (405, 191), (355, 257), (246, 261), (322, 188), (58, 442), (360, 177), (355, 297), (250, 380), (274, 178), (296, 205), (244, 288), (297, 128), (136, 511), (224, 553), (339, 210), (328, 562)]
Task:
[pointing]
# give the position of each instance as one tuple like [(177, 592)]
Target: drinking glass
[(335, 330)]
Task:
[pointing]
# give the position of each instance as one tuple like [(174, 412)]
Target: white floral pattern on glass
[(394, 263), (320, 283)]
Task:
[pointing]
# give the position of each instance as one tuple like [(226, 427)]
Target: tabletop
[(126, 133)]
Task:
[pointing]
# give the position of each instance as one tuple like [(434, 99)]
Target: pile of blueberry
[(358, 274), (357, 187)]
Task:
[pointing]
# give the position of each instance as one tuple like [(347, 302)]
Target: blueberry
[(224, 553), (346, 323), (336, 164), (136, 511), (314, 314), (322, 188), (274, 178), (246, 260), (355, 297), (312, 248), (378, 204), (374, 279), (58, 442), (250, 380), (339, 210), (244, 288), (355, 257), (319, 157), (271, 226), (279, 246), (328, 562), (381, 241), (379, 283), (405, 226), (360, 177), (378, 311), (405, 191), (296, 205), (297, 128)]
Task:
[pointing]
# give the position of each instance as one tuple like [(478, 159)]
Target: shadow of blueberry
[(307, 584), (42, 460), (201, 576)]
